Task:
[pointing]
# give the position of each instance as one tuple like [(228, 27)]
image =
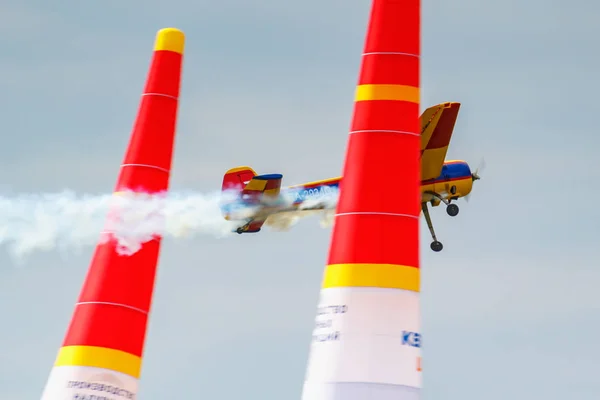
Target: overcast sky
[(510, 306)]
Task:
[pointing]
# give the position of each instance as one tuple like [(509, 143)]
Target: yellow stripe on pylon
[(387, 92), (100, 357), (372, 275)]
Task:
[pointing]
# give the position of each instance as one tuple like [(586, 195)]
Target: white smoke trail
[(65, 220), (321, 204)]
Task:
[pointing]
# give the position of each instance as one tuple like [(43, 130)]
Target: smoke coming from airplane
[(65, 220), (321, 204)]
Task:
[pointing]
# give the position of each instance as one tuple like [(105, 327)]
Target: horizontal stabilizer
[(250, 191), (261, 186), (254, 226)]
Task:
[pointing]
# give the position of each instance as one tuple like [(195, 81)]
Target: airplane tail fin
[(248, 183), (237, 178), (252, 188), (234, 181)]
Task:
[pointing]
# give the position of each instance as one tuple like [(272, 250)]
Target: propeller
[(475, 175)]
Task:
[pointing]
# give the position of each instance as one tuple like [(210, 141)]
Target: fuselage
[(454, 182)]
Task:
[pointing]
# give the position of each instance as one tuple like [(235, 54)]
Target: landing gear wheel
[(452, 210), (239, 231), (436, 246)]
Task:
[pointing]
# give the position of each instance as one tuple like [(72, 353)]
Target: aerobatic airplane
[(259, 198)]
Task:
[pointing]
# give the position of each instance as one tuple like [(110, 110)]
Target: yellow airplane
[(441, 181)]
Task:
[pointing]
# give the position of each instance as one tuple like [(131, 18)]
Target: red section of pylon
[(379, 202), (115, 300), (394, 27), (151, 143)]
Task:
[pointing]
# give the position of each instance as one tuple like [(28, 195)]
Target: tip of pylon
[(170, 39)]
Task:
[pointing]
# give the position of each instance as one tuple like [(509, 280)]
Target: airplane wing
[(437, 125), (284, 221), (429, 120)]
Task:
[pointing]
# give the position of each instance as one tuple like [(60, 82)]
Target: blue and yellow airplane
[(257, 198)]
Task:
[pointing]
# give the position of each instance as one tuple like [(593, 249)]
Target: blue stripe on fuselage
[(451, 171)]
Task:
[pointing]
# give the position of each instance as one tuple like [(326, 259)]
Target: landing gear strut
[(451, 209), (243, 228), (436, 245)]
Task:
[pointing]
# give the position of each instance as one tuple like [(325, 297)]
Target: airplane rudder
[(236, 178), (234, 181)]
